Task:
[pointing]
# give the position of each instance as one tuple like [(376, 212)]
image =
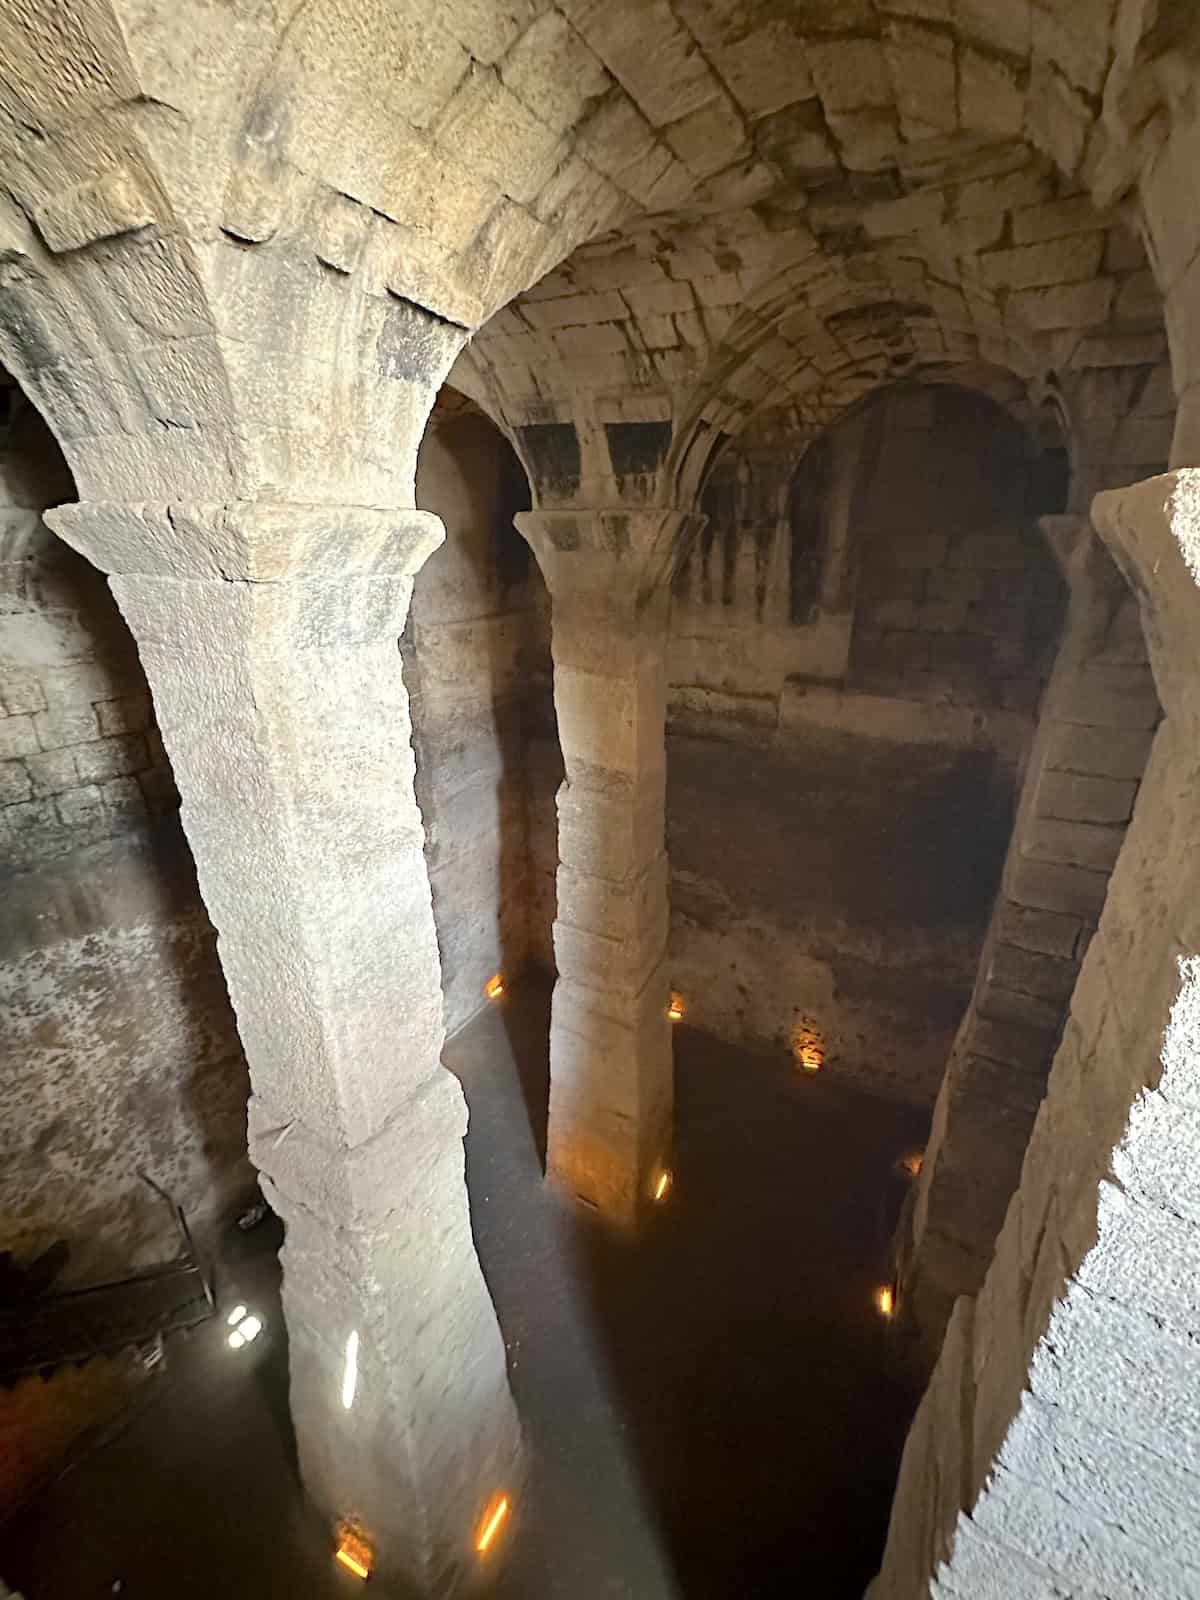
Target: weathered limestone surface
[(611, 1088), (1093, 737), (1057, 1449), (269, 637)]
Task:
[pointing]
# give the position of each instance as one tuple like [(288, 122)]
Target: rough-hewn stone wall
[(474, 647), (859, 643), (118, 1044)]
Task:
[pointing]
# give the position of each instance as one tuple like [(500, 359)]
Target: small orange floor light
[(676, 1008), (354, 1553), (492, 1523), (662, 1185), (911, 1163), (494, 987), (886, 1300), (807, 1049)]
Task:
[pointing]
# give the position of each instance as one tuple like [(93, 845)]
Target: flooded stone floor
[(713, 1410)]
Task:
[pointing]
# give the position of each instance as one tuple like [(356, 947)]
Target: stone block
[(21, 692), (488, 131), (659, 299), (1028, 186), (1047, 886), (30, 819), (1110, 697), (77, 685), (1006, 1006), (1046, 932), (576, 310), (79, 808), (1074, 305), (1078, 844), (1099, 752), (18, 737), (1029, 1049), (52, 771), (1056, 220), (1073, 797), (613, 835), (123, 801), (129, 714), (111, 758), (617, 911), (601, 962), (1038, 266), (1030, 972), (65, 725), (612, 724), (15, 783)]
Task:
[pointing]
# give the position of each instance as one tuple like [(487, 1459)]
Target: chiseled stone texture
[(1074, 1400)]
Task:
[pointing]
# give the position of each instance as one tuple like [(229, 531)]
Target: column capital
[(267, 541), (628, 552), (1152, 530)]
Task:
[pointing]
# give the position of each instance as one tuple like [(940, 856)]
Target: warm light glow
[(912, 1163), (354, 1554), (492, 1525), (886, 1300), (350, 1373), (663, 1184), (235, 1316), (807, 1048), (235, 1340), (676, 1008), (495, 987)]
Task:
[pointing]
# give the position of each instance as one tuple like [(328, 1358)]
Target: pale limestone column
[(269, 634), (611, 1087)]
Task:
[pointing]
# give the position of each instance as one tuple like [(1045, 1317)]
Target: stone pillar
[(611, 1089), (1095, 728), (269, 634), (1056, 1450)]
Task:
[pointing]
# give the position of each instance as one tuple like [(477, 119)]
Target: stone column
[(269, 634), (1095, 728), (611, 1089)]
